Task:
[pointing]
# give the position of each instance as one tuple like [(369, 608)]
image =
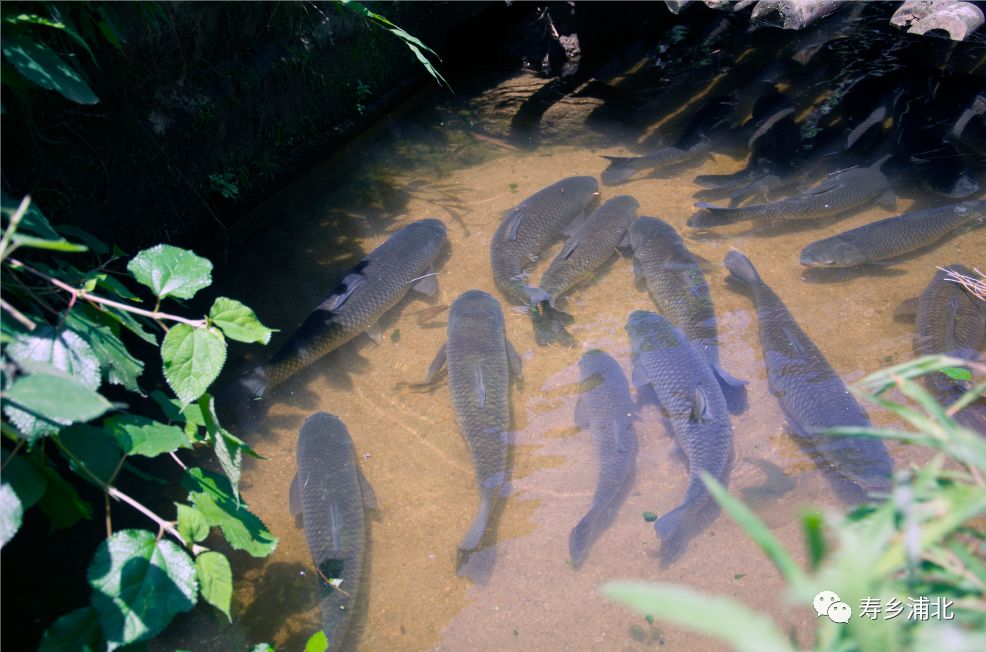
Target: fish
[(480, 362), (622, 168), (842, 192), (591, 244), (693, 403), (368, 290), (528, 228), (329, 497), (951, 321), (810, 393), (604, 408), (892, 236), (675, 282)]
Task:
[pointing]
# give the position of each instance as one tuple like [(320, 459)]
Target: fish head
[(594, 366), (431, 228), (644, 229), (649, 331), (475, 305), (832, 252), (323, 434), (585, 189)]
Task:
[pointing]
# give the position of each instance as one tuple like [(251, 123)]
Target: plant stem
[(18, 315), (82, 294), (15, 219)]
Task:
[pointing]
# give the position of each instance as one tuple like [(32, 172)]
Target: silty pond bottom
[(528, 596)]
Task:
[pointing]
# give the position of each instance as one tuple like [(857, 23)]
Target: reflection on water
[(434, 165)]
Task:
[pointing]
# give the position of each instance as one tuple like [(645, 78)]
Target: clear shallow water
[(415, 458)]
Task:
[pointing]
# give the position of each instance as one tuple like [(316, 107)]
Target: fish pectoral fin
[(427, 284), (638, 271), (825, 186), (350, 284), (479, 385), (437, 368), (907, 310), (514, 362), (793, 340), (700, 406), (625, 241), (375, 333), (887, 199), (294, 500), (581, 415), (369, 496), (570, 246)]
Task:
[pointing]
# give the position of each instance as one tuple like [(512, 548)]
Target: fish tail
[(670, 528), (619, 170), (581, 538), (238, 403), (713, 208), (741, 267), (549, 325), (475, 533)]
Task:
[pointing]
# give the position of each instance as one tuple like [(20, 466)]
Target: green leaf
[(39, 63), (60, 244), (193, 358), (139, 584), (740, 627), (142, 436), (811, 523), (171, 271), (957, 373), (25, 478), (191, 524), (11, 513), (230, 455), (119, 366), (83, 236), (64, 350), (94, 448), (238, 322), (75, 631), (33, 219), (212, 495), (61, 502), (215, 580), (263, 647), (51, 400), (317, 642)]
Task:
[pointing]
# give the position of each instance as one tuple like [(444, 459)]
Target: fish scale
[(605, 408), (809, 391), (692, 401), (675, 282), (328, 494), (621, 168), (891, 237), (533, 225)]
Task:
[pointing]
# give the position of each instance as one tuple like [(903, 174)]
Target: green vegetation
[(926, 540), (76, 342)]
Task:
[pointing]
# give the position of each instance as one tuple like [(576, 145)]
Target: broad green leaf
[(215, 580), (25, 477), (142, 436), (119, 366), (93, 448), (724, 618), (193, 358), (32, 19), (75, 631), (169, 406), (957, 373), (139, 584), (238, 322), (64, 350), (61, 502), (191, 524), (317, 642), (811, 523), (39, 63), (132, 324), (171, 271), (212, 495), (33, 219), (52, 400), (230, 455), (11, 513)]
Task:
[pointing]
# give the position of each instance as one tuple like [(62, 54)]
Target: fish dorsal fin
[(570, 246), (700, 406), (480, 387), (335, 525), (343, 292), (427, 284), (294, 499), (793, 339), (826, 186), (621, 431), (907, 310), (514, 221)]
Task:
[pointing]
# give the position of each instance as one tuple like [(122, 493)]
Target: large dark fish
[(604, 408), (951, 321), (591, 244), (531, 226), (328, 494), (678, 288), (622, 168), (692, 401), (480, 361), (367, 291), (891, 237), (809, 391), (842, 192)]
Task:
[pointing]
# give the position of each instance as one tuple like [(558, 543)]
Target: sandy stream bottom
[(413, 455)]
